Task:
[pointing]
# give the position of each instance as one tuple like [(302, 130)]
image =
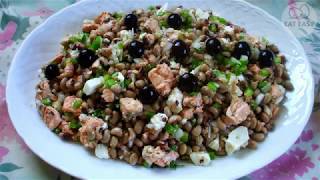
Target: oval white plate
[(43, 44)]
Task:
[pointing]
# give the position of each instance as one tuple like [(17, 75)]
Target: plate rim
[(53, 16)]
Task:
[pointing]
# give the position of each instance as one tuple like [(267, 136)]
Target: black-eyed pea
[(258, 137), (133, 159), (106, 136), (113, 153), (167, 111), (139, 83), (138, 126), (252, 144), (182, 149), (196, 131), (113, 142), (116, 132), (138, 142), (195, 148), (187, 126)]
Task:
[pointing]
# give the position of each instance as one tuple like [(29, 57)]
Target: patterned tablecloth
[(19, 17)]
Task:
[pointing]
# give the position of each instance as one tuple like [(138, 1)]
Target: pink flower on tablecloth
[(43, 12), (7, 131), (306, 136), (293, 163), (7, 34), (314, 147), (3, 151)]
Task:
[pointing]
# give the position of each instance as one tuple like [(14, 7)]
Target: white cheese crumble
[(200, 14), (126, 35), (174, 65), (91, 85), (259, 98), (182, 71), (74, 53), (158, 121), (119, 76), (101, 151), (142, 35), (162, 10), (200, 158), (236, 139), (283, 91), (195, 70), (175, 100), (214, 144), (117, 53), (228, 29)]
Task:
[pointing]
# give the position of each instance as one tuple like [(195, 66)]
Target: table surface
[(18, 18)]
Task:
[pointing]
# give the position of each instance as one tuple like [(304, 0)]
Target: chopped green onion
[(146, 164), (253, 105), (57, 130), (100, 72), (218, 19), (46, 101), (185, 137), (242, 36), (148, 67), (81, 37), (213, 86), (213, 27), (163, 23), (151, 8), (174, 147), (277, 60), (99, 113), (217, 105), (171, 128), (109, 81), (125, 83), (186, 18), (149, 114), (264, 86), (117, 15), (195, 63), (264, 72), (248, 92), (74, 124), (76, 104), (220, 75), (212, 155), (96, 43), (193, 93), (199, 50), (173, 165), (120, 45), (265, 40)]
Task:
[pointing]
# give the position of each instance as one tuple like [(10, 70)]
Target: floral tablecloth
[(19, 17)]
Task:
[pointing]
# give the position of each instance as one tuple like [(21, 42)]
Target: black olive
[(213, 46), (135, 49), (266, 58), (241, 48), (131, 21), (86, 58), (148, 95), (188, 82), (175, 21), (179, 50), (51, 71)]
